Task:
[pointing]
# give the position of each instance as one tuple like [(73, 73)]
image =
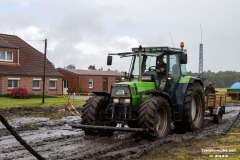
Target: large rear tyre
[(93, 111), (155, 115), (194, 109)]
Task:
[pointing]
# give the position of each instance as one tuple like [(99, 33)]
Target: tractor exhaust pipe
[(140, 63)]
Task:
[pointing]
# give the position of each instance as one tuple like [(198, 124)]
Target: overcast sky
[(83, 32)]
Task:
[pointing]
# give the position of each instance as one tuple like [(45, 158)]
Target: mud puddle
[(55, 139)]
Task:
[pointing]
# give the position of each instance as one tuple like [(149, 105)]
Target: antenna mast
[(171, 39), (200, 69)]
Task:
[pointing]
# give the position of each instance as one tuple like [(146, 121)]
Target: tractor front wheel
[(155, 116), (93, 111)]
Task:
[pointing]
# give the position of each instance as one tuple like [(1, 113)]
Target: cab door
[(174, 73)]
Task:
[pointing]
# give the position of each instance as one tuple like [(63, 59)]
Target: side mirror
[(127, 76), (183, 58), (109, 60)]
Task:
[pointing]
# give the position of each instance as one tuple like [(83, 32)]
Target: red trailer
[(215, 106)]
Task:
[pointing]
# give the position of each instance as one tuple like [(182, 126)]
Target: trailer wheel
[(93, 111), (194, 109), (154, 114), (218, 117)]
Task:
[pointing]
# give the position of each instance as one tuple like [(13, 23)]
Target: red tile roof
[(93, 72), (6, 44), (30, 60)]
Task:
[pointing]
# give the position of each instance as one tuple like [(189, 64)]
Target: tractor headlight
[(115, 100), (127, 100)]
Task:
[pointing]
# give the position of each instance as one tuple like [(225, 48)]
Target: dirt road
[(55, 139)]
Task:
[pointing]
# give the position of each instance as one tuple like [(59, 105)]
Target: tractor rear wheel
[(194, 109), (154, 114), (93, 111)]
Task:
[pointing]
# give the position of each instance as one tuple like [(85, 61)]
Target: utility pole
[(44, 71)]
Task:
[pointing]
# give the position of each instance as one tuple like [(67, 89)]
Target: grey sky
[(82, 32)]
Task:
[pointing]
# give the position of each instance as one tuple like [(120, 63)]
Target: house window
[(13, 82), (6, 56), (90, 83), (52, 83), (36, 83)]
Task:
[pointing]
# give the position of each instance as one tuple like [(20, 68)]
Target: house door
[(105, 84), (65, 87)]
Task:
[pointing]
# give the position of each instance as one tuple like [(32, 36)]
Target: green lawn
[(33, 102), (60, 102)]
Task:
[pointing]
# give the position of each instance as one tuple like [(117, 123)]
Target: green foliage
[(235, 130), (92, 67), (40, 96), (221, 79), (5, 95), (70, 66), (80, 90)]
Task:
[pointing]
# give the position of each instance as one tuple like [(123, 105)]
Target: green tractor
[(148, 103)]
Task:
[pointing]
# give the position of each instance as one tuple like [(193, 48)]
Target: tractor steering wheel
[(152, 68)]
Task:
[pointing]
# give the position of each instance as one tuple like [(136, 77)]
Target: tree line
[(222, 79), (90, 67)]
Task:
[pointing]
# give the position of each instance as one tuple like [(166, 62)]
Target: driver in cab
[(161, 67)]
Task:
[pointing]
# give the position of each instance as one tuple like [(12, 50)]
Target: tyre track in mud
[(56, 140), (102, 149)]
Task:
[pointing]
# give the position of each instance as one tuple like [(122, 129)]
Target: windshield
[(148, 60)]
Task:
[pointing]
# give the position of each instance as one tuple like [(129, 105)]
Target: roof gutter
[(17, 56)]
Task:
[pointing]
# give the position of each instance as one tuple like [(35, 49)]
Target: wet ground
[(55, 139)]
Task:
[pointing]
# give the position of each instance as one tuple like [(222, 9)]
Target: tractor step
[(109, 128)]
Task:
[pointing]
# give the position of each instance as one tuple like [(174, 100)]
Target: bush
[(19, 92), (5, 95), (39, 95), (80, 90)]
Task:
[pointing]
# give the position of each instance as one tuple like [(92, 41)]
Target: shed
[(235, 86), (234, 91), (88, 81)]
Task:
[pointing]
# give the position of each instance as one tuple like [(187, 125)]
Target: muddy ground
[(55, 139)]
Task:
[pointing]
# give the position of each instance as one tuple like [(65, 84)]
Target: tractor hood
[(134, 90), (139, 87)]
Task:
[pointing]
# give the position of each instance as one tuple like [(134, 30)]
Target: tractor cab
[(144, 66)]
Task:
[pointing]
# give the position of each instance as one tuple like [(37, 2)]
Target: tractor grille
[(120, 90)]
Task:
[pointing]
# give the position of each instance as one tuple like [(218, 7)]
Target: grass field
[(225, 147), (6, 103), (62, 101)]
